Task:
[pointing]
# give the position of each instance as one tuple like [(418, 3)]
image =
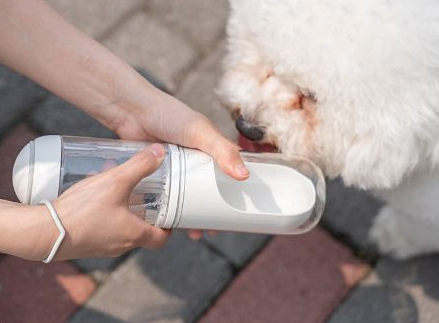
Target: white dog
[(353, 85)]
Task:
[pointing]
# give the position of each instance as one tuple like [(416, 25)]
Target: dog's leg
[(409, 224)]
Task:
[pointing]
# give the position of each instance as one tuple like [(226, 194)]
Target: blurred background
[(331, 274)]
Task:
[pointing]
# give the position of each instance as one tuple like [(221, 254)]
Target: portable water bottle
[(188, 190)]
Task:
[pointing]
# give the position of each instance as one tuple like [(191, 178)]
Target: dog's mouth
[(252, 136), (249, 130), (250, 145)]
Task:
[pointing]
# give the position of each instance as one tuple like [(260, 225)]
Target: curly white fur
[(370, 72)]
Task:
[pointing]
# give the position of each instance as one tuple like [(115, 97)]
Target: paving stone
[(32, 292), (203, 28), (152, 79), (144, 42), (175, 284), (238, 248), (98, 268), (94, 17), (349, 213), (56, 116), (197, 91), (10, 146), (294, 279), (396, 292), (17, 95)]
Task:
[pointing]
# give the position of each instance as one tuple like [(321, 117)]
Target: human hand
[(167, 119), (95, 215), (155, 115), (96, 81), (95, 211), (90, 77)]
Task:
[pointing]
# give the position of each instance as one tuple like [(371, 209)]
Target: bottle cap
[(36, 171)]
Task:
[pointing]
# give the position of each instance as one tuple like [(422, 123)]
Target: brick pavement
[(32, 292), (233, 277), (294, 279), (175, 284)]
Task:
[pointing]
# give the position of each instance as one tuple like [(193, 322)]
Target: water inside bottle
[(84, 157)]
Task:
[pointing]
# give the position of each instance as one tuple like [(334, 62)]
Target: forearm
[(40, 44), (26, 231)]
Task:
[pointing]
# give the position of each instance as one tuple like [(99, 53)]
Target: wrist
[(127, 103), (138, 111), (27, 231)]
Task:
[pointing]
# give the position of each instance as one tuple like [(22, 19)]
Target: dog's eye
[(309, 94), (269, 74), (235, 112)]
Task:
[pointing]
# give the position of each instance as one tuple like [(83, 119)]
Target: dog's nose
[(249, 130)]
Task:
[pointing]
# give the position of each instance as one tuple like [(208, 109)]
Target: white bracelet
[(62, 231)]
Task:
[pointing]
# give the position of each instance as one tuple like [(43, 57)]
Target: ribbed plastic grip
[(83, 157)]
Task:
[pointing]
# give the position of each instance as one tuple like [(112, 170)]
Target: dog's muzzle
[(249, 130)]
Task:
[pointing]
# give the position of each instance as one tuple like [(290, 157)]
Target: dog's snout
[(249, 130)]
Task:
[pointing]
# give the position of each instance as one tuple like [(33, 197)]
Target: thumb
[(153, 237), (139, 166)]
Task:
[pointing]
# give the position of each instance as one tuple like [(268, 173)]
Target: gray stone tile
[(56, 116), (238, 248), (143, 41), (98, 268), (94, 17), (197, 91), (175, 284), (349, 214), (396, 292), (202, 21), (152, 79), (17, 96)]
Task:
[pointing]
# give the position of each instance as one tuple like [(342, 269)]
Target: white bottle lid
[(36, 171)]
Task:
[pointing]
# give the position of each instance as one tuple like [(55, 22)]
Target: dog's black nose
[(249, 130)]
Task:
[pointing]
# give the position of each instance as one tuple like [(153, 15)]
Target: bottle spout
[(277, 198)]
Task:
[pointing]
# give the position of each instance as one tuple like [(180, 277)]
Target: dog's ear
[(374, 163)]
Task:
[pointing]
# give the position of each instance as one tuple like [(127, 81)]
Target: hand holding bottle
[(87, 75), (94, 213)]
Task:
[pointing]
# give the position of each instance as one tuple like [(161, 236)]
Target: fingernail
[(157, 150), (242, 170)]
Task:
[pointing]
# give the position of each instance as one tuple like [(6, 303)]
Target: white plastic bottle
[(188, 190)]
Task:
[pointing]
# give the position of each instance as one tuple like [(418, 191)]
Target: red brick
[(10, 146), (294, 279), (32, 292)]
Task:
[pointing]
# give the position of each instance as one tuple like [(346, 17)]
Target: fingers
[(198, 234), (195, 234), (154, 238), (139, 166), (213, 233), (206, 138)]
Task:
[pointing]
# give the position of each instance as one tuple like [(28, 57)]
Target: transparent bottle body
[(83, 157)]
